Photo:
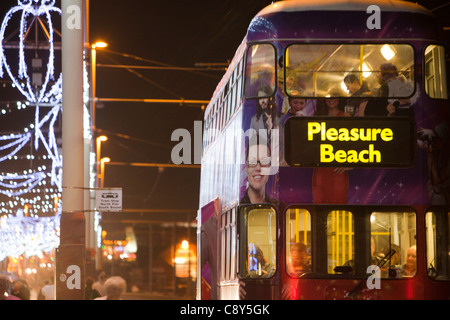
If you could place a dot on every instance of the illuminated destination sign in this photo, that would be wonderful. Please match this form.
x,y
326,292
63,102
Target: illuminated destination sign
x,y
350,142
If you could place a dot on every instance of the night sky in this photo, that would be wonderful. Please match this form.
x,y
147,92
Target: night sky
x,y
176,33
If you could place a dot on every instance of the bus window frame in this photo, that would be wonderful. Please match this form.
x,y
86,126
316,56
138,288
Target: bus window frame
x,y
441,210
242,239
362,238
446,51
245,68
413,83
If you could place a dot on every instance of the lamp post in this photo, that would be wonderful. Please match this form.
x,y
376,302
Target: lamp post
x,y
99,140
98,44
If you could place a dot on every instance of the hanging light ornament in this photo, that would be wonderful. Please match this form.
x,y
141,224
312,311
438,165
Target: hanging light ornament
x,y
20,234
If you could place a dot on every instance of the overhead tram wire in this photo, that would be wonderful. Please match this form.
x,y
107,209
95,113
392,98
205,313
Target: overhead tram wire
x,y
160,172
161,66
180,99
172,67
148,80
122,66
125,136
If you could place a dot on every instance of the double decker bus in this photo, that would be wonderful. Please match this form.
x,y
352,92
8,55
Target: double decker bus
x,y
325,167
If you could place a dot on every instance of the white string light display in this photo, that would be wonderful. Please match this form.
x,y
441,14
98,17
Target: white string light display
x,y
34,192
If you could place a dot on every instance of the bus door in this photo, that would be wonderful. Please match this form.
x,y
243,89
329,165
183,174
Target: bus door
x,y
258,261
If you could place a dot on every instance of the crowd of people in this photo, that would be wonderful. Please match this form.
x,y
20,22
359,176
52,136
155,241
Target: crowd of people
x,y
105,288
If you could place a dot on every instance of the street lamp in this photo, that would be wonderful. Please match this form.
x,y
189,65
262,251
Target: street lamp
x,y
99,141
102,170
100,45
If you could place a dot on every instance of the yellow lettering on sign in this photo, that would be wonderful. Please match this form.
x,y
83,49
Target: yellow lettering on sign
x,y
387,134
313,128
328,155
345,134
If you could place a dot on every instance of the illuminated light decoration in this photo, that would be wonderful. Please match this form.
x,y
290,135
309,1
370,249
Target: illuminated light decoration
x,y
35,8
28,182
36,235
31,235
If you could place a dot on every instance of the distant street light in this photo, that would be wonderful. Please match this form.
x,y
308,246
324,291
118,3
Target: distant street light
x,y
102,170
100,45
99,141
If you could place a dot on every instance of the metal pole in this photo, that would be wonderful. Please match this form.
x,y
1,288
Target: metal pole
x,y
174,250
72,106
150,258
189,279
70,264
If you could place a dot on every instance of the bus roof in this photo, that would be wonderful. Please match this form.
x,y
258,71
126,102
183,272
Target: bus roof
x,y
344,19
342,5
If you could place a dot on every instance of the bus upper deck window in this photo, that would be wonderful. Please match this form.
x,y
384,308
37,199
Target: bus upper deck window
x,y
435,72
366,70
261,243
260,71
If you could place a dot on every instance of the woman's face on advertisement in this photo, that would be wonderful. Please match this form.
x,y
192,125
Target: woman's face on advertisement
x,y
257,154
264,102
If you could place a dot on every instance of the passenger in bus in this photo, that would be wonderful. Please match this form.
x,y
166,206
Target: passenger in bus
x,y
363,106
330,185
300,261
258,161
375,256
389,261
355,87
409,268
394,84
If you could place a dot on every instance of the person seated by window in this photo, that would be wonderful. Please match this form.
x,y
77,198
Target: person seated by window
x,y
393,84
300,260
366,107
397,84
391,265
355,87
409,268
375,256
